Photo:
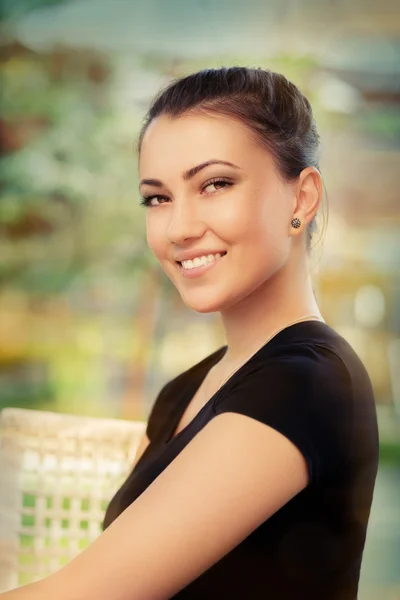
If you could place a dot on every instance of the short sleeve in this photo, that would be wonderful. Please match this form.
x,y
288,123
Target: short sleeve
x,y
305,395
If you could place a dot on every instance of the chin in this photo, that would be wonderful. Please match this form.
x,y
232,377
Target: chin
x,y
201,301
206,301
203,307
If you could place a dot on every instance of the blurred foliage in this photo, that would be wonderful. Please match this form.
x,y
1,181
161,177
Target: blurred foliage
x,y
67,165
389,452
20,386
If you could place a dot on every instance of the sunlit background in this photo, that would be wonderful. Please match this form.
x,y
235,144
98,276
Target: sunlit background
x,y
89,323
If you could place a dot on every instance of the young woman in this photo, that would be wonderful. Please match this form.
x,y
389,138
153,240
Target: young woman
x,y
256,474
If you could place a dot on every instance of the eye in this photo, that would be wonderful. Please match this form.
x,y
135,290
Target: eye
x,y
147,200
217,182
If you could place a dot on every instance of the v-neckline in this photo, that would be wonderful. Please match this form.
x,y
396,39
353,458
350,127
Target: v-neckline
x,y
190,391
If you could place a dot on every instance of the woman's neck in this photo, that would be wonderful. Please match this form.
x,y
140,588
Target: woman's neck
x,y
250,322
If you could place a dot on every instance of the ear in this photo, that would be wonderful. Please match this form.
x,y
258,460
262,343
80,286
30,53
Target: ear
x,y
307,196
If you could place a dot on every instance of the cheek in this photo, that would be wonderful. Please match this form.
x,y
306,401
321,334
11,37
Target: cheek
x,y
260,238
247,226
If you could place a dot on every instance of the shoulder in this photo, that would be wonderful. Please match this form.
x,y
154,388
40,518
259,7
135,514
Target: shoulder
x,y
301,367
311,355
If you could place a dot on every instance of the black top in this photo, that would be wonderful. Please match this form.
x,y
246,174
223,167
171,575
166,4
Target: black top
x,y
308,383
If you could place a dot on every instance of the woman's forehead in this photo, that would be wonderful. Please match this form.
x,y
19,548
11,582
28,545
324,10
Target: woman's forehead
x,y
199,137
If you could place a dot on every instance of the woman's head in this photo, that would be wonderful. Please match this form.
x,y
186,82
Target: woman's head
x,y
257,121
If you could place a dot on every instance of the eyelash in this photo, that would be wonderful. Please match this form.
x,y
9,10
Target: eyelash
x,y
145,200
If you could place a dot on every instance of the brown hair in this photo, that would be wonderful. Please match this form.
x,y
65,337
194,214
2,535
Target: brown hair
x,y
275,110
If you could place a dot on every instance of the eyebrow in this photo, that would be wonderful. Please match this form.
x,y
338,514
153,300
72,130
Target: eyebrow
x,y
190,173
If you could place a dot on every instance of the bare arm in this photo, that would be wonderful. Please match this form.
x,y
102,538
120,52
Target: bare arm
x,y
33,591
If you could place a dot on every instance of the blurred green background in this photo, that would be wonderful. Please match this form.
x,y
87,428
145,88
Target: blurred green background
x,y
89,324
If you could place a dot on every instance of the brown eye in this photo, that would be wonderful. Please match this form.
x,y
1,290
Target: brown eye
x,y
217,183
147,200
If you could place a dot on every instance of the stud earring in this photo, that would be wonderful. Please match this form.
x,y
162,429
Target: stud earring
x,y
296,223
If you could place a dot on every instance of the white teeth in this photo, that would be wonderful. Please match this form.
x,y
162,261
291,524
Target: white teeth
x,y
200,260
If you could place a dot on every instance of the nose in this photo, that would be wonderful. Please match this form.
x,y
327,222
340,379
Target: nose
x,y
184,223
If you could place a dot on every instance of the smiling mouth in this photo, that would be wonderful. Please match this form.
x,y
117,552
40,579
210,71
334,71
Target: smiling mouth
x,y
203,264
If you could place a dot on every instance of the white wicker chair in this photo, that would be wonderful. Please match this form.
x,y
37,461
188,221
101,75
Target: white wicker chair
x,y
57,474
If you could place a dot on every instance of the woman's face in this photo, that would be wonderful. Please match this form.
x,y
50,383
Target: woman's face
x,y
243,210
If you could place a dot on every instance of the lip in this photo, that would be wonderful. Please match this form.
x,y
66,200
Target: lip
x,y
197,271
